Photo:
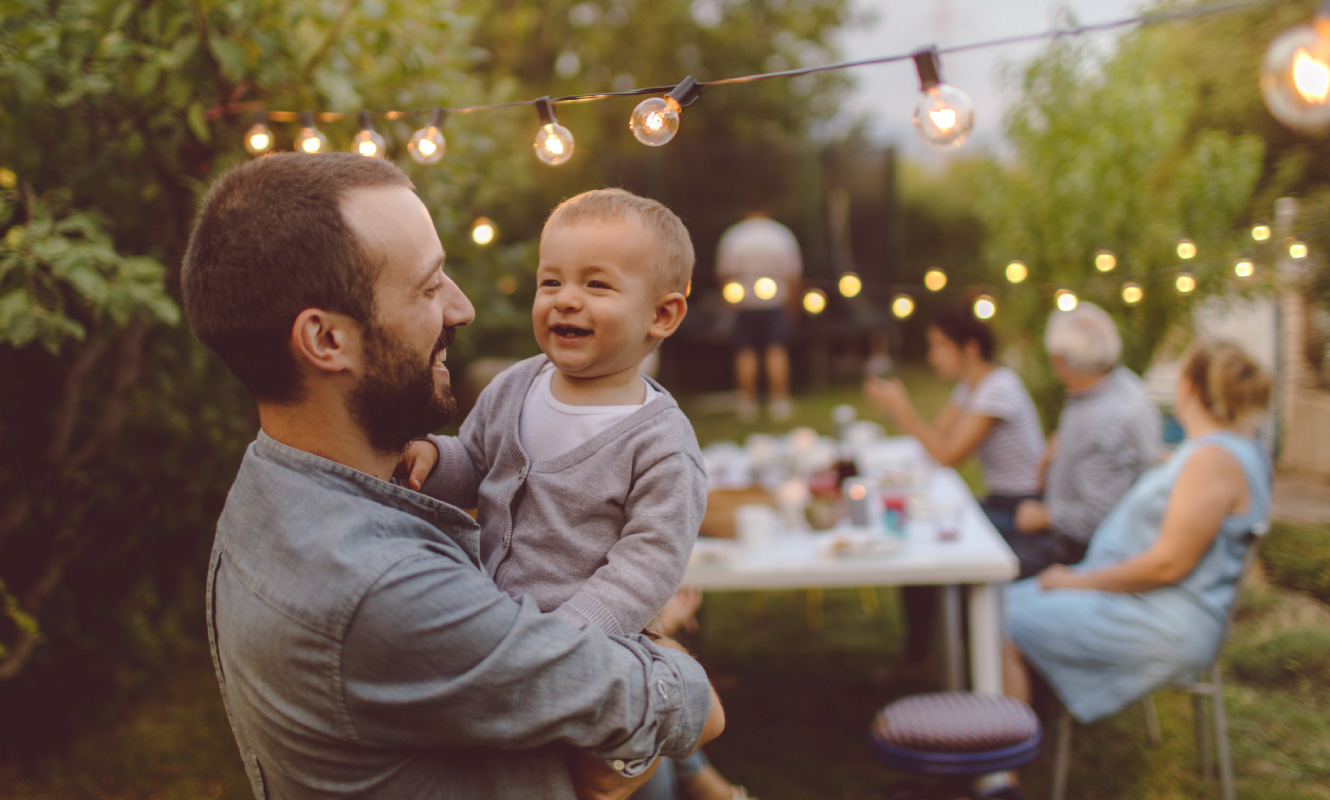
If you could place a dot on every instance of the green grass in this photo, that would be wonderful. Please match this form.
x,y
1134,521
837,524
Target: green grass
x,y
801,674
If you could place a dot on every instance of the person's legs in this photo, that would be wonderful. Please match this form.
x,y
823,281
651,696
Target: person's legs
x,y
778,381
745,379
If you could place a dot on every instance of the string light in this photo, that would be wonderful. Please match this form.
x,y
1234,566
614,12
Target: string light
x,y
1295,75
1186,249
1260,232
1132,293
1185,283
1017,272
815,301
483,231
656,119
985,307
1244,269
554,143
1104,261
935,279
259,139
368,142
902,306
765,288
944,115
733,292
427,144
311,139
1297,250
850,285
1065,299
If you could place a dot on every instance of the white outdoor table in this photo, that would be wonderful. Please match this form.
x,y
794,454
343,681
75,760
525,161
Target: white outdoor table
x,y
978,559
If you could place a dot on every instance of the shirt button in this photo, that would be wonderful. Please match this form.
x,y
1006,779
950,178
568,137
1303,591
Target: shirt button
x,y
619,765
664,692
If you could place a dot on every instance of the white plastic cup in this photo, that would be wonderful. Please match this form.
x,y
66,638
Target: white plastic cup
x,y
755,525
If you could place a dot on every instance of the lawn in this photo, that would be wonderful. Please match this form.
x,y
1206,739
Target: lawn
x,y
802,673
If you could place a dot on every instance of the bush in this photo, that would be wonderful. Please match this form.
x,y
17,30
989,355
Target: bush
x,y
1298,558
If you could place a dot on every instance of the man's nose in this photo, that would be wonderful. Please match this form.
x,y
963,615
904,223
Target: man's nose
x,y
457,310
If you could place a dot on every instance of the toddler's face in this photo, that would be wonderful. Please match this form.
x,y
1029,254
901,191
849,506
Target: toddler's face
x,y
595,297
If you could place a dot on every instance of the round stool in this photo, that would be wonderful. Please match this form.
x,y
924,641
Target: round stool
x,y
955,736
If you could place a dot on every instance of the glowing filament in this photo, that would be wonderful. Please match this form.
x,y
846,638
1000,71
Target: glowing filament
x,y
902,306
1311,77
850,285
944,118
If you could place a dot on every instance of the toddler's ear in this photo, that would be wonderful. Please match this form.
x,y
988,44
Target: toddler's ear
x,y
670,311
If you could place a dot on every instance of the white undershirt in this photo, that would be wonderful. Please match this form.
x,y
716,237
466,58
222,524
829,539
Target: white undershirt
x,y
549,428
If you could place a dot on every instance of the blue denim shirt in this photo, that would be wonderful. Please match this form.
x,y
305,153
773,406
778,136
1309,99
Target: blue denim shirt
x,y
362,651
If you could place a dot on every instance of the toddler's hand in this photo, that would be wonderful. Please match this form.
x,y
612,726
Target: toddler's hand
x,y
417,463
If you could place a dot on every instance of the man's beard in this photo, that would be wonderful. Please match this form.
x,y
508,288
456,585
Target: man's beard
x,y
396,403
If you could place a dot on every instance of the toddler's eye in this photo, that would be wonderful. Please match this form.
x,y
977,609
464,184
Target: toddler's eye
x,y
549,282
598,285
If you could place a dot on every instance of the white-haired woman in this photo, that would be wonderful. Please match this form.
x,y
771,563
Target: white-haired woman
x,y
1149,604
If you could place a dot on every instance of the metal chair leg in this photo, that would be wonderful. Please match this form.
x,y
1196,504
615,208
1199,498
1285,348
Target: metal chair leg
x,y
1152,721
1204,748
1062,759
1221,736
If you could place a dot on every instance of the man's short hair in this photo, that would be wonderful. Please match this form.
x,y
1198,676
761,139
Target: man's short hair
x,y
673,268
1085,338
270,241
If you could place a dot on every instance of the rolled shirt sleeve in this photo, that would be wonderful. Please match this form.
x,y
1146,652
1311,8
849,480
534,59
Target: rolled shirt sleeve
x,y
436,656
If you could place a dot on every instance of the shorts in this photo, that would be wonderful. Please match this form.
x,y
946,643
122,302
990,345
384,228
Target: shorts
x,y
760,328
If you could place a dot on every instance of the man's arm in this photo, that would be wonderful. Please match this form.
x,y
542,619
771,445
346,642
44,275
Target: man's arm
x,y
437,656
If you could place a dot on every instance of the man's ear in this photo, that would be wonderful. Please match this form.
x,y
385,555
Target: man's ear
x,y
325,340
670,311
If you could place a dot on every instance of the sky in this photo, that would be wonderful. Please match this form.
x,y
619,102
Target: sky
x,y
886,93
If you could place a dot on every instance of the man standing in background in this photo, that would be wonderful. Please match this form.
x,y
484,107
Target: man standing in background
x,y
761,256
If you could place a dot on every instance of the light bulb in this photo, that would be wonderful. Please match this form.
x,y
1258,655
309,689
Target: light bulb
x,y
554,143
1260,232
850,285
733,292
902,306
483,231
368,142
1132,293
815,301
258,139
427,145
655,120
1297,250
985,307
1185,283
765,288
311,139
935,279
1105,261
1244,269
1065,300
1186,249
944,115
1017,271
1295,76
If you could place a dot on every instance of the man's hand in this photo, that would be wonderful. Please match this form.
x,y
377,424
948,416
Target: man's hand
x,y
1058,576
592,780
417,463
1032,517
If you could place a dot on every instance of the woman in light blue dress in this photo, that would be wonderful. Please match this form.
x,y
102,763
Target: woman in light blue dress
x,y
1148,606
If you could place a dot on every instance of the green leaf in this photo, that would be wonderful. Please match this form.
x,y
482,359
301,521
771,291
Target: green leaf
x,y
88,282
145,80
197,122
230,56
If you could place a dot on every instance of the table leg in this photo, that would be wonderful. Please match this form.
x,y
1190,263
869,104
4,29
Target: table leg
x,y
986,638
953,650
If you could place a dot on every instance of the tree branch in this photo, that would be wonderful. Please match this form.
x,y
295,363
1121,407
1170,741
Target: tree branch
x,y
331,36
129,365
71,398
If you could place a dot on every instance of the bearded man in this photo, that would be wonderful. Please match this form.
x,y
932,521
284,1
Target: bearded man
x,y
360,648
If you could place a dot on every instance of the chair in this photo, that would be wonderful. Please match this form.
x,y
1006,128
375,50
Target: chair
x,y
954,737
1210,723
